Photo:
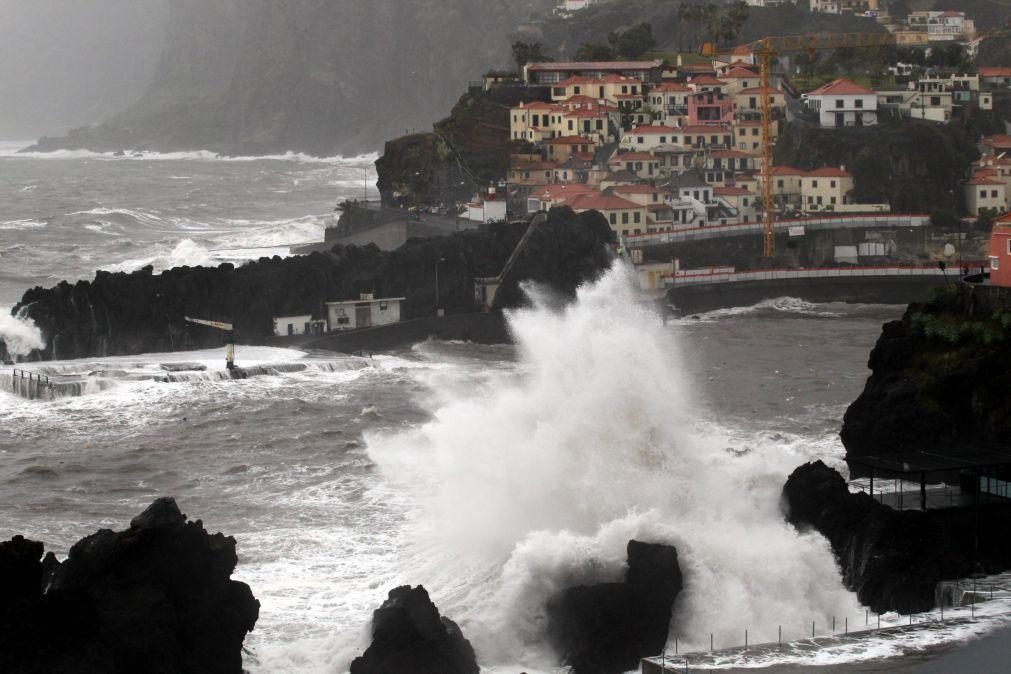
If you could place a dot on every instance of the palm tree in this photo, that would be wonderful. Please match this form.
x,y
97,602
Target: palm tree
x,y
528,52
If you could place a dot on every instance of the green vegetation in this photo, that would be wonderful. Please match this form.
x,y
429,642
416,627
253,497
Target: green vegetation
x,y
528,52
628,44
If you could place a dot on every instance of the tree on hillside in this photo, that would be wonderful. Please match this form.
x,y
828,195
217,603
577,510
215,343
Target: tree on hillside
x,y
594,51
634,42
693,15
528,52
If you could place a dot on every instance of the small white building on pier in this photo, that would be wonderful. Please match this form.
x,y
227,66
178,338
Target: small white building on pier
x,y
365,312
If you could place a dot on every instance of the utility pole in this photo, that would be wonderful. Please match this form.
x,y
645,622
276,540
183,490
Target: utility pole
x,y
437,263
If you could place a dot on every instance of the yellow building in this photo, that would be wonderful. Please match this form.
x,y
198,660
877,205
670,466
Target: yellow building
x,y
825,188
625,217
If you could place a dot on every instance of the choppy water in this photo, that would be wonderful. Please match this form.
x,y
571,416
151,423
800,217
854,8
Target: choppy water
x,y
491,474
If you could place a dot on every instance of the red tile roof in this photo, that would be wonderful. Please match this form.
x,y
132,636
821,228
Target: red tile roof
x,y
786,171
731,192
672,88
757,90
603,203
995,72
840,87
829,172
706,79
700,128
739,73
647,130
998,141
562,191
982,180
637,189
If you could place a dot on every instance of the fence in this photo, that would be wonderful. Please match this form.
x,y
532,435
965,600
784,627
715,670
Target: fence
x,y
42,379
968,592
724,276
681,234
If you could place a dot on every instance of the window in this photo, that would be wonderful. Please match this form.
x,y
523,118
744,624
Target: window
x,y
831,183
814,184
576,91
638,231
637,218
779,184
614,219
600,124
558,91
859,102
663,139
343,320
838,102
624,89
982,194
754,131
994,263
1009,246
935,100
993,193
537,121
832,200
383,306
624,218
570,125
819,201
640,140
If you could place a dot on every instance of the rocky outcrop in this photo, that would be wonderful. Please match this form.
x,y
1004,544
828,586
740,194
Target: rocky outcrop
x,y
939,377
409,636
156,597
606,628
336,77
142,312
894,560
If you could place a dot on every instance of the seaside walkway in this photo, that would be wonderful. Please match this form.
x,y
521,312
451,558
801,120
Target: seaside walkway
x,y
685,233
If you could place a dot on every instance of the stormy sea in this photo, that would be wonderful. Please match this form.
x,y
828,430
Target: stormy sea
x,y
493,475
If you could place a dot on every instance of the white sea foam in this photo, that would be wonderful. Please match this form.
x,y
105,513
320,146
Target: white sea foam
x,y
14,150
782,305
22,224
540,484
20,333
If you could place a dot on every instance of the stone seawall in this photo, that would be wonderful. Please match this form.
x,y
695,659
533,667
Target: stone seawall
x,y
691,299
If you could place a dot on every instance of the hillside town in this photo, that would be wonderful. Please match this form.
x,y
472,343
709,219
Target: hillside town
x,y
656,145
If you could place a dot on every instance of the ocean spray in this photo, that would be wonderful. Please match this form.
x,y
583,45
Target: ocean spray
x,y
538,484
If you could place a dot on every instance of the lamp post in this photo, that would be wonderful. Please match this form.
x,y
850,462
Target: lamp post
x,y
437,263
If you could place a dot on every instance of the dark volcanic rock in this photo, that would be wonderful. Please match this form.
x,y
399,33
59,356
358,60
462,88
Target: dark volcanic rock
x,y
409,636
142,312
606,628
939,378
154,598
894,560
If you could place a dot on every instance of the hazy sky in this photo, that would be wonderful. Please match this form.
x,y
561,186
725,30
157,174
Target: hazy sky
x,y
67,63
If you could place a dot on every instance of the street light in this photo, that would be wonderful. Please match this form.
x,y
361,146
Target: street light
x,y
437,263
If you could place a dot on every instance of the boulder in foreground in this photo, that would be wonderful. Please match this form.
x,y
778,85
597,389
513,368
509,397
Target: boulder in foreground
x,y
607,628
155,598
409,636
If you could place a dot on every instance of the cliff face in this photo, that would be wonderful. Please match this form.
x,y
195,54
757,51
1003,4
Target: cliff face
x,y
939,377
118,314
264,76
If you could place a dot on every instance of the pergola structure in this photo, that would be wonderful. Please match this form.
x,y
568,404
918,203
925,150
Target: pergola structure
x,y
978,463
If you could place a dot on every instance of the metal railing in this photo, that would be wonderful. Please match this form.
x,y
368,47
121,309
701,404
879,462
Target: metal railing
x,y
968,591
680,234
724,276
31,376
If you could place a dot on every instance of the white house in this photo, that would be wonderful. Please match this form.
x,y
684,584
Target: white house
x,y
488,207
365,312
844,103
289,326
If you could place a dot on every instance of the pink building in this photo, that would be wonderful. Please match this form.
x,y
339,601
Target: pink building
x,y
707,108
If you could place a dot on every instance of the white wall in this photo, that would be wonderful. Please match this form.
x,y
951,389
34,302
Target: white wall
x,y
297,324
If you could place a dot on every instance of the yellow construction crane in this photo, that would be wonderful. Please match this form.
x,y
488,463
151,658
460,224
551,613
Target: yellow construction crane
x,y
765,50
229,337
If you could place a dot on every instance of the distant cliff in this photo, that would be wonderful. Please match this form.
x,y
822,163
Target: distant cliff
x,y
939,377
141,312
265,76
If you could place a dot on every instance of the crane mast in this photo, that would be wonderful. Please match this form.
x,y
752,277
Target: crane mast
x,y
229,330
765,50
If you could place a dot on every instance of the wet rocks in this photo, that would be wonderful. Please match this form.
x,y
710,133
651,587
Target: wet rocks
x,y
409,636
156,597
606,628
894,560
